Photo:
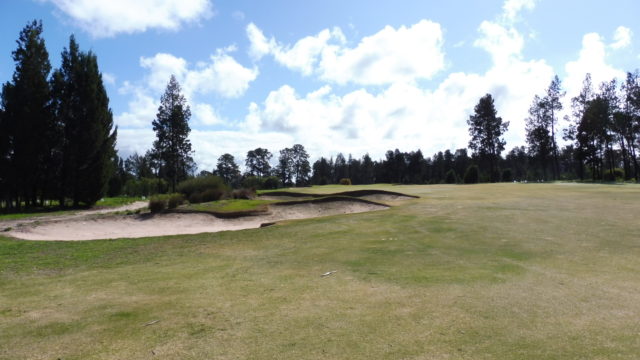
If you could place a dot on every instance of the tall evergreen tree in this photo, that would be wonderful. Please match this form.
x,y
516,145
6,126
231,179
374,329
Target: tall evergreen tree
x,y
81,105
172,148
539,139
553,104
29,127
486,129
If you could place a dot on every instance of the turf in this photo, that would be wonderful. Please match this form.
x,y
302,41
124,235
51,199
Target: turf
x,y
55,210
493,271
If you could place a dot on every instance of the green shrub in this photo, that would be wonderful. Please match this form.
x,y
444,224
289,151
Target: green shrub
x,y
472,175
202,184
212,195
175,200
246,194
345,181
157,203
507,175
272,182
450,177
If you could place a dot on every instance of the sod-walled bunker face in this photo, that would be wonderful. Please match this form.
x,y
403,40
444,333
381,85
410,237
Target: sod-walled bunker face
x,y
181,221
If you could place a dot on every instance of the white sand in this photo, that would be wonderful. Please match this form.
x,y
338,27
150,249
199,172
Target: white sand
x,y
86,227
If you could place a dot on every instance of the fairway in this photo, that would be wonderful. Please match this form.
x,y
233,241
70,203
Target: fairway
x,y
489,271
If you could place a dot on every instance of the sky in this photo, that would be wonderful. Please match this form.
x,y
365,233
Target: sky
x,y
336,76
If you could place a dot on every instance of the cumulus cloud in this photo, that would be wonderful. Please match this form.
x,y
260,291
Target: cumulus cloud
x,y
221,75
388,56
512,8
591,59
621,38
109,18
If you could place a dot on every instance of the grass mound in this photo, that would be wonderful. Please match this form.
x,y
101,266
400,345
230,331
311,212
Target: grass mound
x,y
352,193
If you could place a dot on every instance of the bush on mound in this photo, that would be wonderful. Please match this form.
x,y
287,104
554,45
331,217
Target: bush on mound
x,y
203,189
157,203
345,181
175,200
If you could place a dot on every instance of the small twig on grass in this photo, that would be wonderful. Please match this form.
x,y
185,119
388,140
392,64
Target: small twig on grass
x,y
329,273
151,322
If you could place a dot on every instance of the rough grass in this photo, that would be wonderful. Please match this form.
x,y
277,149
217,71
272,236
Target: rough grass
x,y
492,271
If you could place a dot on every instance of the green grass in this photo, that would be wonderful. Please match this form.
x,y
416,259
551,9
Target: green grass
x,y
491,271
54,211
230,205
117,201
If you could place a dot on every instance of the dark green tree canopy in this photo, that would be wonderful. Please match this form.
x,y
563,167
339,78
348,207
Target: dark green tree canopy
x,y
227,169
257,162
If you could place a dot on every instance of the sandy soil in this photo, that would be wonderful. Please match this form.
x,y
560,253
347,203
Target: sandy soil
x,y
88,227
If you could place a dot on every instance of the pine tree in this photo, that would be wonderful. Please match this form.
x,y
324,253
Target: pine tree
x,y
553,104
228,170
539,140
486,129
28,126
172,148
82,106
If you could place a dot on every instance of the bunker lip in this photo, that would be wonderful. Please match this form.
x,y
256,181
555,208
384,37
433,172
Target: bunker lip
x,y
178,223
367,194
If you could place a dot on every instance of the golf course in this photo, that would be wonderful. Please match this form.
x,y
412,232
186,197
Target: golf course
x,y
485,271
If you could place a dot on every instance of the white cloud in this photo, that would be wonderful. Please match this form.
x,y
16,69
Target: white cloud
x,y
500,42
222,75
109,78
621,37
109,18
512,8
388,56
591,59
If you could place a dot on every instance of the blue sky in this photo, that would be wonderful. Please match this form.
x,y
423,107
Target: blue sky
x,y
353,77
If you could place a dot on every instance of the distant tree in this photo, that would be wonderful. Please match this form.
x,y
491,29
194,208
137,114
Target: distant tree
x,y
450,177
172,148
139,166
539,139
415,167
83,108
518,161
461,161
285,166
367,170
30,132
257,162
300,165
628,123
321,172
340,168
471,175
228,170
486,129
579,105
553,104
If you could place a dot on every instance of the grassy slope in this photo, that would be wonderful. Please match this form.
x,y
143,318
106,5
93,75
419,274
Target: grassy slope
x,y
102,203
538,271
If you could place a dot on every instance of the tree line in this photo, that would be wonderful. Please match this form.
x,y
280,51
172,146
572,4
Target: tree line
x,y
57,140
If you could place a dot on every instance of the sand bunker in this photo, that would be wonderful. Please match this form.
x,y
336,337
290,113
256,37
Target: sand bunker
x,y
92,227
